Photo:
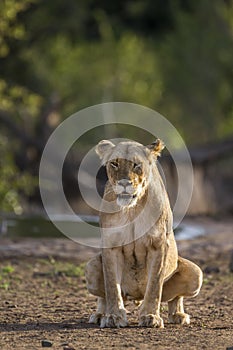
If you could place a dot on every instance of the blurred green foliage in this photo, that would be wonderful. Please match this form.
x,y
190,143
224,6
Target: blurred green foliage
x,y
10,28
197,72
12,182
182,67
173,56
21,103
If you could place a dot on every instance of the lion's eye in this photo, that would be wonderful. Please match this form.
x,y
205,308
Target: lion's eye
x,y
137,167
114,165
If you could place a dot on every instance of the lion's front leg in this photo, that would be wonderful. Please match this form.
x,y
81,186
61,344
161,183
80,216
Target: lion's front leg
x,y
115,315
149,314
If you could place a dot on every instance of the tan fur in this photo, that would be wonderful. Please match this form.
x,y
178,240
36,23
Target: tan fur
x,y
139,259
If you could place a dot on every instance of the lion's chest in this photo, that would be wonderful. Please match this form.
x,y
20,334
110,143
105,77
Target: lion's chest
x,y
134,271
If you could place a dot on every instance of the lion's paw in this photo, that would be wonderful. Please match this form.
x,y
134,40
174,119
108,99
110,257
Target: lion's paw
x,y
95,318
151,320
117,320
179,318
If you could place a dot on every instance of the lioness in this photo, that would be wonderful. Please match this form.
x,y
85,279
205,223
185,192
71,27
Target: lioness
x,y
139,259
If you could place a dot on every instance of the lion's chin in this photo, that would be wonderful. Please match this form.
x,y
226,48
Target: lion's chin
x,y
126,200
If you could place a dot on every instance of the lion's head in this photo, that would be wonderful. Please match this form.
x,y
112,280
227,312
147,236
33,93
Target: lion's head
x,y
128,167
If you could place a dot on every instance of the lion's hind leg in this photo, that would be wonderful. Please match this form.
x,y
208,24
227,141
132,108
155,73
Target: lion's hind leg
x,y
100,311
176,312
186,282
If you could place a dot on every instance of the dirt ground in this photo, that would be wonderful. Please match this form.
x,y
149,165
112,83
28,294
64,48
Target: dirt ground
x,y
44,298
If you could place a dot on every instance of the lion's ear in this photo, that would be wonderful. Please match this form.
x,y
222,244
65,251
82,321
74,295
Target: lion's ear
x,y
103,147
156,147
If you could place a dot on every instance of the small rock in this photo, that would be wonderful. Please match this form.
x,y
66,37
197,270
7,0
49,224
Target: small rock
x,y
46,344
67,346
211,269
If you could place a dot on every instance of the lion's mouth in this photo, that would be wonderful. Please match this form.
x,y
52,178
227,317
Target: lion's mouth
x,y
125,199
126,195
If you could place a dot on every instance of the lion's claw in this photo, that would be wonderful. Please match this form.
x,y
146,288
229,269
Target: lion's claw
x,y
95,318
151,320
117,320
179,318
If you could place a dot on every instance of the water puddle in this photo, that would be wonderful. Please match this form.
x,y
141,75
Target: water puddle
x,y
40,227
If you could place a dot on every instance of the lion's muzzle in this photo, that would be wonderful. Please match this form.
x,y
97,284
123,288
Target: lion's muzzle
x,y
126,193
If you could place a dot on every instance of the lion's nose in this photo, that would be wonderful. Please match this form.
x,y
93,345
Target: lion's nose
x,y
124,182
